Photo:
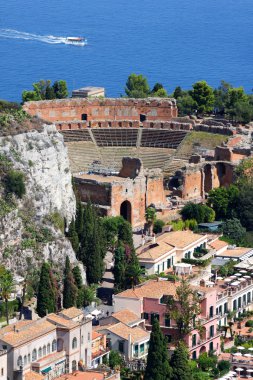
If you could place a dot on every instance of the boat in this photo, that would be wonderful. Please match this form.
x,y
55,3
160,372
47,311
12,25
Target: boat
x,y
78,41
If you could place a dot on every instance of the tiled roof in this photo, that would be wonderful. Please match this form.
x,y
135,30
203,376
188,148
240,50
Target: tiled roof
x,y
151,289
33,376
218,244
96,335
123,331
27,332
181,239
18,325
154,251
126,316
83,376
72,312
61,322
237,252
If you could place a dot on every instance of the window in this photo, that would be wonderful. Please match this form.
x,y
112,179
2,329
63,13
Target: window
x,y
34,355
142,117
136,350
220,309
211,330
211,312
234,305
40,352
29,358
154,316
244,299
84,116
59,344
163,266
121,346
225,307
82,339
25,360
194,355
74,343
211,346
188,255
48,348
239,302
194,340
19,361
54,345
44,350
248,297
145,316
88,337
168,263
167,320
142,348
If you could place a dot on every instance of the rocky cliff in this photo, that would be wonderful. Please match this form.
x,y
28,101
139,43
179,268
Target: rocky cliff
x,y
32,226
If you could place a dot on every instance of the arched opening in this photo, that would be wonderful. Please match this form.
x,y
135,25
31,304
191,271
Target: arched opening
x,y
202,350
221,172
126,211
84,116
73,365
142,117
208,178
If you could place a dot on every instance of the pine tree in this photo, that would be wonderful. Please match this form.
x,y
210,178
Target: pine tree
x,y
158,367
73,236
46,292
69,288
179,362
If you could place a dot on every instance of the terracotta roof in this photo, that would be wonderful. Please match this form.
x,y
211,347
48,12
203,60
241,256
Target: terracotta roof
x,y
13,326
27,332
181,239
126,316
96,335
218,244
150,289
72,312
237,252
61,322
83,376
34,376
154,251
123,331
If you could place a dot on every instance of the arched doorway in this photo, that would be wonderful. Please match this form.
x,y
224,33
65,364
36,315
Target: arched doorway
x,y
207,178
202,350
126,211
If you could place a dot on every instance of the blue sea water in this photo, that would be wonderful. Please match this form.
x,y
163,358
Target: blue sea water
x,y
173,42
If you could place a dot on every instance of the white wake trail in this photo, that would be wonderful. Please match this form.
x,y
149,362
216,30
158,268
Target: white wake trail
x,y
15,34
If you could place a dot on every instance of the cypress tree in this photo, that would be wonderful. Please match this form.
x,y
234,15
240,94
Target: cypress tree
x,y
119,267
93,247
69,287
73,236
79,283
79,222
158,367
179,362
125,233
46,292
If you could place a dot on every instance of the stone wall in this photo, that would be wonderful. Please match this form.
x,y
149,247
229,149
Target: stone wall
x,y
149,109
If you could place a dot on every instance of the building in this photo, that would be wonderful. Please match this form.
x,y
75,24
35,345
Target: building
x,y
99,349
3,364
149,301
131,342
125,316
92,375
89,92
126,194
236,253
53,345
168,249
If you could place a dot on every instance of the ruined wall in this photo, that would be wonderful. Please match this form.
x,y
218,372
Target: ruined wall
x,y
103,109
95,192
155,190
192,184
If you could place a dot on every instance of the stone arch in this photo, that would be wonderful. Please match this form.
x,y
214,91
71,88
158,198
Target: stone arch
x,y
208,183
202,350
221,172
126,211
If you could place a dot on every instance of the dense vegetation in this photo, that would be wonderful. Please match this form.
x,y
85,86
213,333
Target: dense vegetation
x,y
202,99
43,90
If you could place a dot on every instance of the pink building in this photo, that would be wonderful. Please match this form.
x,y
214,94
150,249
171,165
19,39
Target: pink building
x,y
149,301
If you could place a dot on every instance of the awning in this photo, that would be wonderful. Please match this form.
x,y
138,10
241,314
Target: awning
x,y
62,361
46,370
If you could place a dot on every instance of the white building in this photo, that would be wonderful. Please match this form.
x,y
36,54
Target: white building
x,y
53,345
3,364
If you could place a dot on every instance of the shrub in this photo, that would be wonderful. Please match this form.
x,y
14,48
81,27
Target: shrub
x,y
249,323
15,183
158,226
223,366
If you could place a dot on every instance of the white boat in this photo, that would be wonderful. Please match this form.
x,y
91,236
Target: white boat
x,y
78,41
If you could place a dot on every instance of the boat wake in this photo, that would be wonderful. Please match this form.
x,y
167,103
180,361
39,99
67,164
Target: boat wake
x,y
15,34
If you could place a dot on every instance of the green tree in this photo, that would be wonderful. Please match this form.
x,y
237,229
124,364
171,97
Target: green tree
x,y
178,92
46,292
15,183
158,367
203,95
234,96
181,369
224,201
221,97
201,213
6,288
150,216
207,362
73,236
70,290
60,89
77,276
29,96
158,226
233,230
161,93
186,105
245,205
93,248
119,268
133,271
243,112
79,222
115,359
184,308
137,86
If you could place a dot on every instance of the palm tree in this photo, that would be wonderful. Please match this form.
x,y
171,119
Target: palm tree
x,y
150,216
6,288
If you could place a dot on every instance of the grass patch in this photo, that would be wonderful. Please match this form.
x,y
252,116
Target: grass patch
x,y
200,139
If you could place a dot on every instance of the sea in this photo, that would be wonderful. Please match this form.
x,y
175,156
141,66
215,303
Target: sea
x,y
175,43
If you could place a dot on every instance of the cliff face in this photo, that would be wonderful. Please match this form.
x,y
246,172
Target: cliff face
x,y
31,228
